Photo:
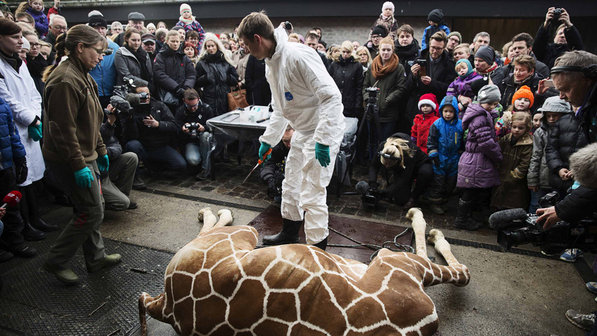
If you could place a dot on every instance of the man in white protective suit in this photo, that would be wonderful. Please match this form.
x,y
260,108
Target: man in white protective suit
x,y
304,95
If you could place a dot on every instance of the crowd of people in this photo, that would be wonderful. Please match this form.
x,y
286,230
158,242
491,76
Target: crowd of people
x,y
103,101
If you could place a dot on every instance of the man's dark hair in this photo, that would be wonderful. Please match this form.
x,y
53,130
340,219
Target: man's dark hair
x,y
526,37
8,27
319,30
190,94
312,36
256,23
192,33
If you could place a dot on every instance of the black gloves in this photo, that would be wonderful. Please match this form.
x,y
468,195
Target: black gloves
x,y
20,169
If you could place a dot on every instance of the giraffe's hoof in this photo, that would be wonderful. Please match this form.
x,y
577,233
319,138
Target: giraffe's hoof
x,y
225,216
202,213
412,212
435,235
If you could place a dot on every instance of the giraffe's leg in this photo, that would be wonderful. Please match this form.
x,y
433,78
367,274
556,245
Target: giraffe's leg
x,y
437,238
225,218
455,273
208,218
418,224
150,305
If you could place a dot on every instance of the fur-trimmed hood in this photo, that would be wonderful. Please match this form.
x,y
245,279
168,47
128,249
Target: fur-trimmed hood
x,y
583,164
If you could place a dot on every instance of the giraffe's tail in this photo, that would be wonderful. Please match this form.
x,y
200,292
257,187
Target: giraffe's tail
x,y
153,306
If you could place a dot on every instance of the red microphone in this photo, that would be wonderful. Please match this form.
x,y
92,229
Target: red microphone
x,y
12,199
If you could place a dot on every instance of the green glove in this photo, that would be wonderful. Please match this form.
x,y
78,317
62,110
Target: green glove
x,y
322,154
35,131
83,177
263,148
103,163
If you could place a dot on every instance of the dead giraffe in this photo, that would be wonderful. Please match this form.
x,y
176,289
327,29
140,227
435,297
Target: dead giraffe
x,y
218,284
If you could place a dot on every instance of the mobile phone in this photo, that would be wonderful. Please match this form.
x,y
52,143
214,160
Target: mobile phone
x,y
548,83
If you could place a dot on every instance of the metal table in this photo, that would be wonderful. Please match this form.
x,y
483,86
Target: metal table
x,y
236,125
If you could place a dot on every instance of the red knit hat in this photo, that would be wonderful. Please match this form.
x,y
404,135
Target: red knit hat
x,y
428,99
524,92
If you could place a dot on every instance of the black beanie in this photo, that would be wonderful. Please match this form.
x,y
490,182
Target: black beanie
x,y
97,21
486,53
436,15
380,30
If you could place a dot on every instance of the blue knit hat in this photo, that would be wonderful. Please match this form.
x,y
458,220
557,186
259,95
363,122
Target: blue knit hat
x,y
468,65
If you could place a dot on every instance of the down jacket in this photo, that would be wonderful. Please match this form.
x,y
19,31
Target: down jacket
x,y
538,175
172,69
10,142
215,76
420,131
446,140
348,75
128,65
513,191
565,137
477,167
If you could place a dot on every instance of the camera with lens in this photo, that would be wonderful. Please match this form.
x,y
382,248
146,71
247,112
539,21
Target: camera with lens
x,y
373,91
288,25
192,127
516,227
556,14
370,196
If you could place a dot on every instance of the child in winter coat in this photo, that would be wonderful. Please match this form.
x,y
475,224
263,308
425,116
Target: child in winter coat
x,y
517,148
420,131
461,86
444,145
522,101
538,175
477,167
36,9
435,18
188,22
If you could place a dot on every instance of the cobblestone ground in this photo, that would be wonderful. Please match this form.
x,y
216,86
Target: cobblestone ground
x,y
230,174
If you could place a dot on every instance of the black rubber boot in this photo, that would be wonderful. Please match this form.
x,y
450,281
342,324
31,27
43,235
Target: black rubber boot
x,y
322,244
32,234
463,216
288,235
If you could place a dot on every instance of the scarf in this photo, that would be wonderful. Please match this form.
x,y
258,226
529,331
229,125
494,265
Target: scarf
x,y
186,21
380,70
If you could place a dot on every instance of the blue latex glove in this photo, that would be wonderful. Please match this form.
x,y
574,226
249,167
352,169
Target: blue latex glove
x,y
103,163
35,132
83,177
322,154
263,148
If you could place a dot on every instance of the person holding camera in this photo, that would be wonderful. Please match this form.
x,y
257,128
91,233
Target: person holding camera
x,y
149,130
566,38
401,164
196,138
272,171
75,152
118,180
432,73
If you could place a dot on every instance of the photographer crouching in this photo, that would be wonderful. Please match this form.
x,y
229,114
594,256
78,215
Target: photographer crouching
x,y
580,202
196,138
400,163
149,130
118,180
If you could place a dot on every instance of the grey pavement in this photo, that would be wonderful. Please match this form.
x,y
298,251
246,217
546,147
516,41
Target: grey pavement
x,y
509,294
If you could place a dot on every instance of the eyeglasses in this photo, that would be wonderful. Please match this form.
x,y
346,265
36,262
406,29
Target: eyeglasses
x,y
102,52
59,27
34,45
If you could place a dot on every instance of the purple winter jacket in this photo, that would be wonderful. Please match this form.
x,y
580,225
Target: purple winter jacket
x,y
477,167
462,86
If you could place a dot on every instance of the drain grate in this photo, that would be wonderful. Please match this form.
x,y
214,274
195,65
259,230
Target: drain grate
x,y
33,302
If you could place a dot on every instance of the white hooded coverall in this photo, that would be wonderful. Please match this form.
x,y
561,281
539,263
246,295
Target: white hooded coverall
x,y
306,96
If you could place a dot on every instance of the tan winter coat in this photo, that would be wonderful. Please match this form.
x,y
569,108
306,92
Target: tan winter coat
x,y
513,191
